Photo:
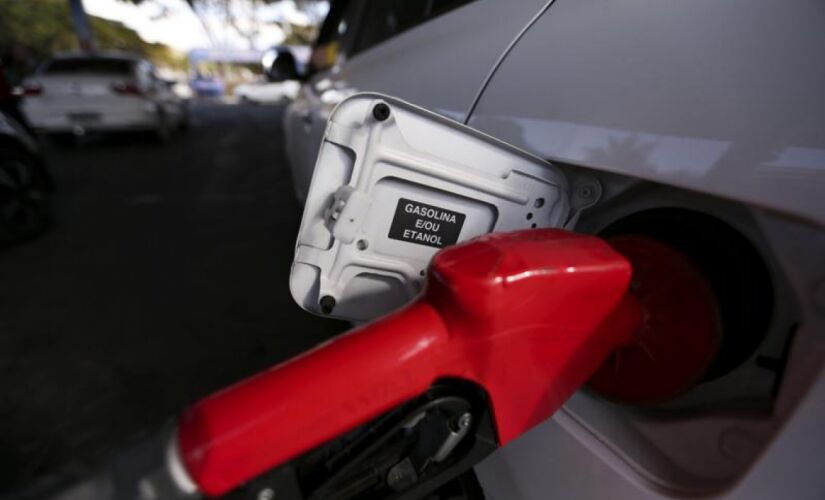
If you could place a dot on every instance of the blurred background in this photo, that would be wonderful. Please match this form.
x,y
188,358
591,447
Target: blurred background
x,y
147,217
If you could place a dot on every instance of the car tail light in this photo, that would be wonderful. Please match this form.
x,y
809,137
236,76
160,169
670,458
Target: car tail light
x,y
127,88
32,89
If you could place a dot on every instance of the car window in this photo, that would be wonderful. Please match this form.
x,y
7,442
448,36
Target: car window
x,y
93,65
384,19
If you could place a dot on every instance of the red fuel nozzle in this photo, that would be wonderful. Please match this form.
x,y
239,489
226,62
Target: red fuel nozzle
x,y
529,316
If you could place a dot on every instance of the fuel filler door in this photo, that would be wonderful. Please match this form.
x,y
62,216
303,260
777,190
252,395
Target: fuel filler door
x,y
393,184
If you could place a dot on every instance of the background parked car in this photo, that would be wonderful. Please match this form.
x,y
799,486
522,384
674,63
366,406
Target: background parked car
x,y
207,86
267,92
25,185
106,93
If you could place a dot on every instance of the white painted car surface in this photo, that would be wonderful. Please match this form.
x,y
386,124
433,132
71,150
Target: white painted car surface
x,y
709,108
181,89
438,65
105,92
267,92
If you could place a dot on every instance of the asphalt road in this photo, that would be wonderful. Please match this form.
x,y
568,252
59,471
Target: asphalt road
x,y
164,278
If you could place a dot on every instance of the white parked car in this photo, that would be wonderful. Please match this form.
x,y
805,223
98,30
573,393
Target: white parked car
x,y
105,92
697,124
267,92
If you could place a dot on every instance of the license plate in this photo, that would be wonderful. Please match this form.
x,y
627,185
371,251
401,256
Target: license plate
x,y
84,118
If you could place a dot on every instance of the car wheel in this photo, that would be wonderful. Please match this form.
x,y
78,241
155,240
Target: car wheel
x,y
24,197
163,130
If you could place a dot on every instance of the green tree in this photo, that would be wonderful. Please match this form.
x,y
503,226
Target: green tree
x,y
242,17
44,28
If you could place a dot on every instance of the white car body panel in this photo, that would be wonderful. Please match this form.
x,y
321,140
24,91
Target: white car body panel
x,y
721,97
724,98
439,66
712,106
772,455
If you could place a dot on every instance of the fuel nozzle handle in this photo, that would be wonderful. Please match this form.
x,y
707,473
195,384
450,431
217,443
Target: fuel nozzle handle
x,y
528,316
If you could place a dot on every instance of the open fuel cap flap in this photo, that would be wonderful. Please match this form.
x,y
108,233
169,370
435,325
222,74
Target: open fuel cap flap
x,y
392,185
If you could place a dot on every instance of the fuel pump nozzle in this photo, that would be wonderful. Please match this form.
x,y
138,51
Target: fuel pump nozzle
x,y
524,317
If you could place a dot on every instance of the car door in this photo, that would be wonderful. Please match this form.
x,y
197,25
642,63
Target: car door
x,y
435,54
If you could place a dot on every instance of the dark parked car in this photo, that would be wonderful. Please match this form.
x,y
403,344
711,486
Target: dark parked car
x,y
25,184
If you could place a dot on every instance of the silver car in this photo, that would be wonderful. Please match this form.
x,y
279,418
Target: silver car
x,y
698,124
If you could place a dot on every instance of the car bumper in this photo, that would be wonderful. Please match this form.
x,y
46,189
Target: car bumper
x,y
44,119
63,124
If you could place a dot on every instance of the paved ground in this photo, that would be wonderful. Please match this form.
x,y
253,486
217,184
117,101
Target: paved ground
x,y
164,278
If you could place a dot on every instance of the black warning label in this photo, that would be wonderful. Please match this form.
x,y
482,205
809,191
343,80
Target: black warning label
x,y
424,224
